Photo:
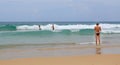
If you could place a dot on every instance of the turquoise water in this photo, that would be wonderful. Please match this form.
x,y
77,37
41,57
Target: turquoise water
x,y
65,32
24,39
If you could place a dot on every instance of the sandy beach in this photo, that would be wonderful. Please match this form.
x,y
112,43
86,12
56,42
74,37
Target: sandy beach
x,y
98,58
109,59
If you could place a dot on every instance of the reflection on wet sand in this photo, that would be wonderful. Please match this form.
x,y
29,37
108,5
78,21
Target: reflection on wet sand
x,y
98,50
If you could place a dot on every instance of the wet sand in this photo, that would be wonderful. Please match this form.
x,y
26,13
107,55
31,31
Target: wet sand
x,y
72,55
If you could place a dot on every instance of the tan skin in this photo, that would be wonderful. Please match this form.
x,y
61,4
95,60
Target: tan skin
x,y
97,33
53,27
39,27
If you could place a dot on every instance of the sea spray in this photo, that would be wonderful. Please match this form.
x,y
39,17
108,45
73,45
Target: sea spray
x,y
106,28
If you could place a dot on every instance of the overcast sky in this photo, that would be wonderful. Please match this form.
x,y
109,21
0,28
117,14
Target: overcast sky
x,y
59,10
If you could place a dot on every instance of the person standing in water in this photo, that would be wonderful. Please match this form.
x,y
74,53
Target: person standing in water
x,y
39,27
53,27
97,30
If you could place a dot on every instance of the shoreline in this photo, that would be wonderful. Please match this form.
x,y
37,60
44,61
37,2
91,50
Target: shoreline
x,y
66,55
71,50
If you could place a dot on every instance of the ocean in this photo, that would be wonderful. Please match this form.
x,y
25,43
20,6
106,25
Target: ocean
x,y
26,35
65,32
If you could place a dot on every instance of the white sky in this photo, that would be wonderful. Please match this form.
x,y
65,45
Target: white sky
x,y
59,10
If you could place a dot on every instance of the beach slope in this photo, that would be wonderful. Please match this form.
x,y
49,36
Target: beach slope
x,y
104,59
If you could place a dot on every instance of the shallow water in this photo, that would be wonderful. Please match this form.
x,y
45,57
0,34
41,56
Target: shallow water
x,y
19,40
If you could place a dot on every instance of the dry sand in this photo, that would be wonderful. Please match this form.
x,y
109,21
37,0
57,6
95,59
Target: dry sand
x,y
104,59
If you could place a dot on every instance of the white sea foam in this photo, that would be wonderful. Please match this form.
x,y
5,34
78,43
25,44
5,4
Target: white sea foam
x,y
58,27
27,27
106,28
86,43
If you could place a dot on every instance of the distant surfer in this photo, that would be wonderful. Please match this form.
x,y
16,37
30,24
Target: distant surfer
x,y
53,27
97,29
39,27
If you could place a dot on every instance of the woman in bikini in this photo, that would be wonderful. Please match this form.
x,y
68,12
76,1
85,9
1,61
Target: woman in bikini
x,y
97,29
